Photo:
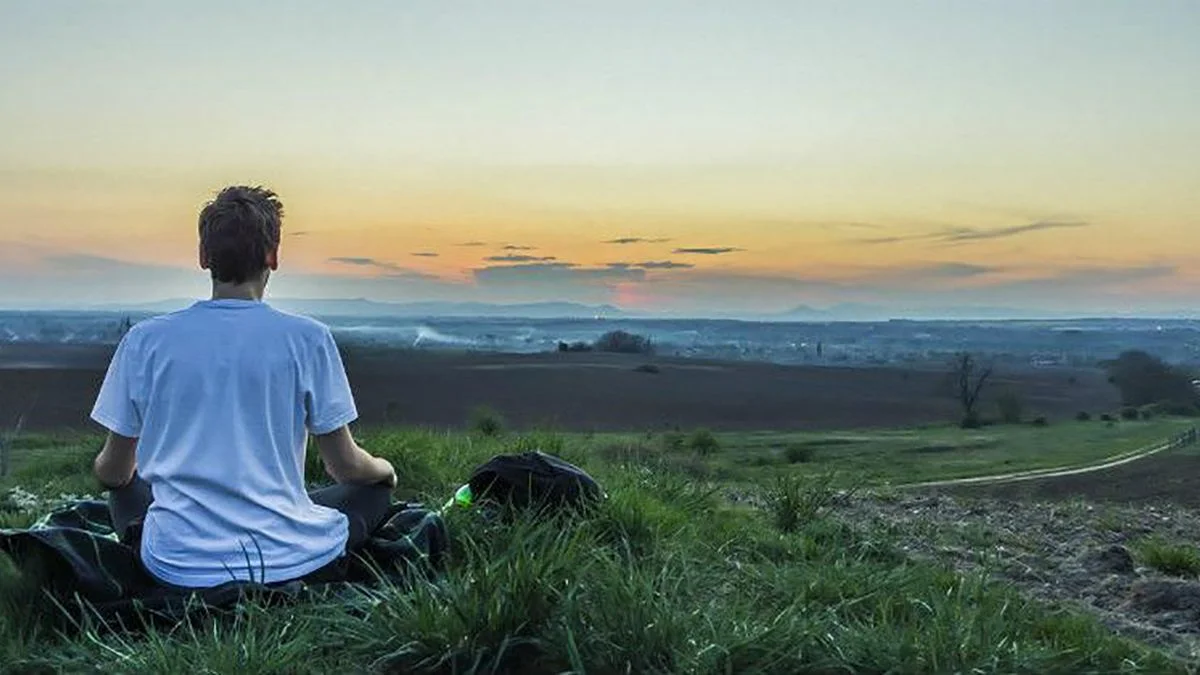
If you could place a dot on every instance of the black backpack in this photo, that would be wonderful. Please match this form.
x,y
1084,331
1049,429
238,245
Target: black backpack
x,y
533,480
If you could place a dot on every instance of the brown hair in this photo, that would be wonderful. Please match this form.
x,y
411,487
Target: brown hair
x,y
238,229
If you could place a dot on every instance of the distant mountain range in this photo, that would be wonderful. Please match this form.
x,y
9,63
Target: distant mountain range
x,y
862,312
346,307
364,307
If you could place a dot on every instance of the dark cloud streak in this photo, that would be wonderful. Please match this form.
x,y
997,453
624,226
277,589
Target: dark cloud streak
x,y
390,269
958,235
520,258
636,240
652,265
707,251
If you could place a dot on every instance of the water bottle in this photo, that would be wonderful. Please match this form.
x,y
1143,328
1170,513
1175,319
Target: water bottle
x,y
462,497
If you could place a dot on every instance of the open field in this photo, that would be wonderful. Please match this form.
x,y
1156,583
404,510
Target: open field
x,y
667,576
1168,479
588,392
747,459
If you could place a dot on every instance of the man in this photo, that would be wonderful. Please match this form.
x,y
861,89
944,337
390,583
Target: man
x,y
209,410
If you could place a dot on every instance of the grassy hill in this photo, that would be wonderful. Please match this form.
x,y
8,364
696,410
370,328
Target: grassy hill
x,y
667,577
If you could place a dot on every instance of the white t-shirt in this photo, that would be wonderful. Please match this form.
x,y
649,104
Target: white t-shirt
x,y
221,397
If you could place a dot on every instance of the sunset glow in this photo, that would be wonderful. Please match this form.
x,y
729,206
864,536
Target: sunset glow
x,y
675,156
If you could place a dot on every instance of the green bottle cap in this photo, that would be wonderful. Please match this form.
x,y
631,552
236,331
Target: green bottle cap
x,y
463,496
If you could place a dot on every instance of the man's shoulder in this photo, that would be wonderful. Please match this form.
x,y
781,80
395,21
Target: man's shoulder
x,y
191,318
299,323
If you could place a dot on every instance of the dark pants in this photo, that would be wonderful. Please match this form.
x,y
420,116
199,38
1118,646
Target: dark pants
x,y
365,507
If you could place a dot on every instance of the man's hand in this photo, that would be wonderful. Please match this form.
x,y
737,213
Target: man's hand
x,y
389,472
115,464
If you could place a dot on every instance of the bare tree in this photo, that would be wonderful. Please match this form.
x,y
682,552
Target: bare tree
x,y
968,377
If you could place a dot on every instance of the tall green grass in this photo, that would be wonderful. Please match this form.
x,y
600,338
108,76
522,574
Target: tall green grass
x,y
664,577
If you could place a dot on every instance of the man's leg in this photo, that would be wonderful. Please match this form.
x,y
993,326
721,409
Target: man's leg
x,y
127,507
364,505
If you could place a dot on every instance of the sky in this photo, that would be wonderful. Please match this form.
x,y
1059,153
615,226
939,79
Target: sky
x,y
702,158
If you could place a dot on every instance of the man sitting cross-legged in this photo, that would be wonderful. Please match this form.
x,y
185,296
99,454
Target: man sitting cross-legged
x,y
209,410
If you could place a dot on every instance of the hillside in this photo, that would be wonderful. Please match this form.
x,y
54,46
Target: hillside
x,y
667,576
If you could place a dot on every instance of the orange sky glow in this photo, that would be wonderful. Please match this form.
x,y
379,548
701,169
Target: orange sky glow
x,y
703,160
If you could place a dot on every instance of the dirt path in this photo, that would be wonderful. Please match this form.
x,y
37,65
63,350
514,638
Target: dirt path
x,y
1184,439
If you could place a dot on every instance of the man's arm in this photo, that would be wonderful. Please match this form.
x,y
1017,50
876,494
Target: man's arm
x,y
115,464
347,463
117,409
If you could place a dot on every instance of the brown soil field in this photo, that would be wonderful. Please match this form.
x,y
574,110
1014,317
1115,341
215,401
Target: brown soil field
x,y
56,385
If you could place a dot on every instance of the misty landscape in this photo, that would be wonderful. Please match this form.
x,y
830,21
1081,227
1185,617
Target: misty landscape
x,y
1017,344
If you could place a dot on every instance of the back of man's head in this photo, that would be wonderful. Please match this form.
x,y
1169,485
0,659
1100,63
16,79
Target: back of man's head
x,y
237,231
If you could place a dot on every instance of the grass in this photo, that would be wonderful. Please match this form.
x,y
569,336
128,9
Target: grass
x,y
1169,558
665,577
915,455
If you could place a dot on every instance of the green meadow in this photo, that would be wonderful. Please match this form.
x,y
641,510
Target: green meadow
x,y
666,576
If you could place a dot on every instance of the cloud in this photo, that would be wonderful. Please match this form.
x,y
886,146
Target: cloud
x,y
954,235
298,233
937,271
636,240
652,265
518,247
426,254
706,251
1002,232
389,269
363,262
473,243
554,272
520,258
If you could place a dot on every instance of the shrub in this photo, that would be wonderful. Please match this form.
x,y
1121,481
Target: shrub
x,y
1107,418
673,441
1130,413
648,368
1144,379
622,342
487,422
798,453
794,501
1010,407
1040,422
1168,558
703,442
689,466
1083,416
574,347
626,453
1176,409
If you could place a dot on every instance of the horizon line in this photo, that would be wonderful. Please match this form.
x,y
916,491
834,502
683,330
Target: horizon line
x,y
882,314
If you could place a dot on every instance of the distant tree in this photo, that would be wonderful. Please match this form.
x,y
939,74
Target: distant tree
x,y
968,378
1144,379
624,343
703,442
